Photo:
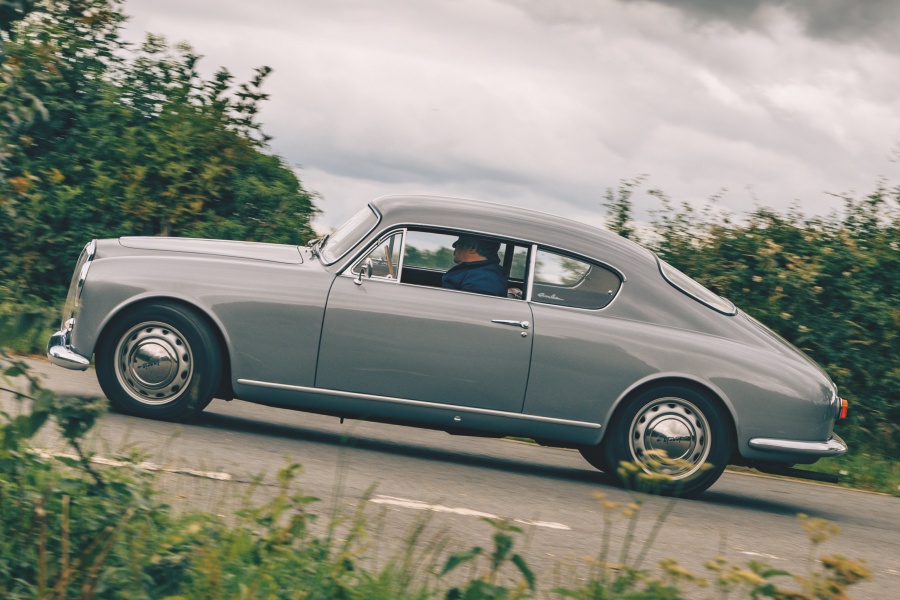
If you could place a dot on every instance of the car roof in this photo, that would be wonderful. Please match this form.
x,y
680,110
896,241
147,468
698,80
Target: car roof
x,y
511,222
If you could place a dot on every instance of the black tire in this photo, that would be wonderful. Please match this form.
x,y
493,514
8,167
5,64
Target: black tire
x,y
159,361
674,430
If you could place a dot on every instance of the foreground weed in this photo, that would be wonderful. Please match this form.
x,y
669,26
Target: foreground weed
x,y
625,578
487,585
66,530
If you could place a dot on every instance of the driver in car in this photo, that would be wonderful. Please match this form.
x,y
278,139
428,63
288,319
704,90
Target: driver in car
x,y
477,267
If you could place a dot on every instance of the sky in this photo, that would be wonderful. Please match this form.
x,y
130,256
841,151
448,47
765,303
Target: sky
x,y
548,104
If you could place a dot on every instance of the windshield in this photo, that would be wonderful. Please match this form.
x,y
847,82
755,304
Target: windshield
x,y
693,289
334,246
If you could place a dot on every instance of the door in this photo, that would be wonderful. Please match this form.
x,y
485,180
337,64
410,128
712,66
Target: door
x,y
387,338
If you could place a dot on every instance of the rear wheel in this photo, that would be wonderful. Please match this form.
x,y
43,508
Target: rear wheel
x,y
160,361
675,432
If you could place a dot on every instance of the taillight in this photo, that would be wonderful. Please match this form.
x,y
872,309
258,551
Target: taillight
x,y
845,408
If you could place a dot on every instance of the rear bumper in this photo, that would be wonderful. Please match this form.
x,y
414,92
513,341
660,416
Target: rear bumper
x,y
61,354
833,447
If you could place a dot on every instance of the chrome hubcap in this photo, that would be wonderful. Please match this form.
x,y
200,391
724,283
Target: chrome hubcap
x,y
154,363
670,436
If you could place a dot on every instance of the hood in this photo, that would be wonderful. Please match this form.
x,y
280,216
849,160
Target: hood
x,y
280,253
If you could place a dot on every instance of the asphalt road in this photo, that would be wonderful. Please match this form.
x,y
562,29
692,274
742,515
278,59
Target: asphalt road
x,y
210,464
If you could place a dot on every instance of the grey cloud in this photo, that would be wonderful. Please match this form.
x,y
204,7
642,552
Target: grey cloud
x,y
846,21
547,104
872,22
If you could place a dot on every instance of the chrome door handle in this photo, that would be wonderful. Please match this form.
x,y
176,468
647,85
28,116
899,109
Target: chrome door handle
x,y
522,324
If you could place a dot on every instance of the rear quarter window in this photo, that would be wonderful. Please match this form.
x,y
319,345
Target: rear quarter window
x,y
567,281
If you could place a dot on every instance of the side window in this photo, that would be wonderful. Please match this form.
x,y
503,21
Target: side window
x,y
384,258
429,255
567,281
429,250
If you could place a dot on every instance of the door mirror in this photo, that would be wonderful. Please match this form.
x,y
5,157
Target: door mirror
x,y
366,268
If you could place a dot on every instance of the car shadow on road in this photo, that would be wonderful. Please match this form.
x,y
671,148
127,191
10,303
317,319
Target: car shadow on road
x,y
723,494
400,448
757,504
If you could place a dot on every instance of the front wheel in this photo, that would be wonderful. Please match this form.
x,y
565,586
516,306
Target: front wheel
x,y
160,361
677,437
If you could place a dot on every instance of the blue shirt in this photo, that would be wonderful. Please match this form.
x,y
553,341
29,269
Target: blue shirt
x,y
480,276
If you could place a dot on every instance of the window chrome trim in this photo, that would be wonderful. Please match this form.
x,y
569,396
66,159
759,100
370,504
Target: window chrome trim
x,y
582,257
532,259
355,244
417,403
348,271
532,262
402,254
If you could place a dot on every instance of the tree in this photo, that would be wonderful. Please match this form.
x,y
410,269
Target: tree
x,y
618,205
102,140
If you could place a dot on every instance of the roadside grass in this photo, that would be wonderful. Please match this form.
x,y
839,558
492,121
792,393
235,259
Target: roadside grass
x,y
71,529
863,468
25,329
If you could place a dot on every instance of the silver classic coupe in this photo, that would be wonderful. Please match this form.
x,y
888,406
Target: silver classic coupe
x,y
597,344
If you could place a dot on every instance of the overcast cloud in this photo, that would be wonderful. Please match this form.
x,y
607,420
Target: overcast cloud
x,y
547,104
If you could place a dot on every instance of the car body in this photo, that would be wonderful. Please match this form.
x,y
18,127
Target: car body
x,y
599,346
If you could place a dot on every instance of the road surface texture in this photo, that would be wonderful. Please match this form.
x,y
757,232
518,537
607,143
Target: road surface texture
x,y
211,463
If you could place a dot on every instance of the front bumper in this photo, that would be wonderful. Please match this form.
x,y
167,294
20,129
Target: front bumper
x,y
61,354
833,447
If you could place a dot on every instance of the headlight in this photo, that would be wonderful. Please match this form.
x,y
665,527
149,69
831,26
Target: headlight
x,y
73,299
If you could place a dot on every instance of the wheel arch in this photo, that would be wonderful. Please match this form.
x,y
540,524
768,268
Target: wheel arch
x,y
659,380
224,389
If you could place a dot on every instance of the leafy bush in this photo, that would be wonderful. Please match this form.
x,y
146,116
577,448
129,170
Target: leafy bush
x,y
99,139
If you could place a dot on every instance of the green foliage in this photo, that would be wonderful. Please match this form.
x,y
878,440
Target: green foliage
x,y
26,328
488,585
101,139
618,205
65,530
871,467
441,259
626,579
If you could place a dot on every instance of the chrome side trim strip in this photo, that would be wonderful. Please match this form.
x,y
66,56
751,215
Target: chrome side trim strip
x,y
833,447
419,403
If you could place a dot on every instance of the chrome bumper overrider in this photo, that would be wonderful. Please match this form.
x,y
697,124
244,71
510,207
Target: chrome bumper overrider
x,y
61,354
833,447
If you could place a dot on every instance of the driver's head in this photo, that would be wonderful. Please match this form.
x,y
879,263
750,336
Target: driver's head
x,y
469,248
